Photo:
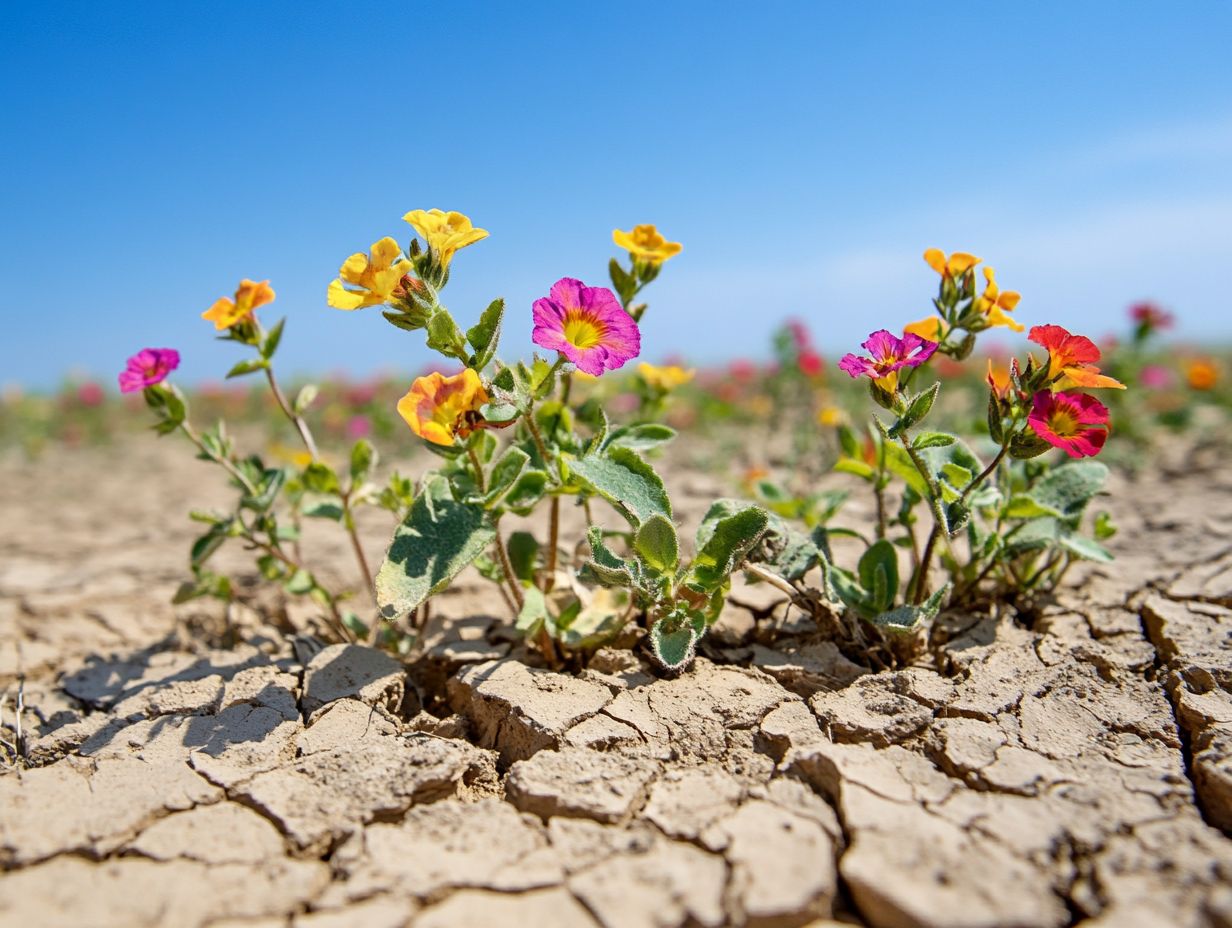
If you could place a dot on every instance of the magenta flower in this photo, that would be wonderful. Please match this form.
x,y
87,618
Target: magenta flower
x,y
587,325
1074,422
889,354
148,367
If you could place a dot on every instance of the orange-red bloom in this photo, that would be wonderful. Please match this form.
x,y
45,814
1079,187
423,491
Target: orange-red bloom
x,y
1071,359
227,312
440,408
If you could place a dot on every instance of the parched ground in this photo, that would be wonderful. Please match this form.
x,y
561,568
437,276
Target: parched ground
x,y
1077,771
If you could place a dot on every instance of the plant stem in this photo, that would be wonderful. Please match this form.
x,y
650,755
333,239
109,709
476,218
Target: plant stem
x,y
770,577
511,578
477,467
983,475
300,425
348,518
535,434
549,579
226,463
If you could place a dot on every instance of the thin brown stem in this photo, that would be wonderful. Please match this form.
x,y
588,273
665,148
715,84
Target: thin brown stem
x,y
549,579
511,578
537,437
298,421
360,557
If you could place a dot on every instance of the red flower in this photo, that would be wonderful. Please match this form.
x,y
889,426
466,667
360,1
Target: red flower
x,y
1150,316
1071,359
1074,422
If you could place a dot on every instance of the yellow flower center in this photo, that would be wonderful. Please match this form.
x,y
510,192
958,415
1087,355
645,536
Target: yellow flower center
x,y
1063,423
583,330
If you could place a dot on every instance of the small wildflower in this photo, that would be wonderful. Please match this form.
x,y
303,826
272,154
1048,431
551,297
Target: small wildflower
x,y
378,275
831,416
666,378
1071,359
90,394
358,426
440,408
994,303
227,312
1201,374
955,265
1150,317
444,232
587,325
889,355
645,243
148,367
1074,422
809,362
1156,377
999,380
932,329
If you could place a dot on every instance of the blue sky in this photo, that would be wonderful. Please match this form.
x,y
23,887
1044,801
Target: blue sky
x,y
804,153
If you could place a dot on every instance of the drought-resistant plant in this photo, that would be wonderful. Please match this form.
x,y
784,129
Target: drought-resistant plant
x,y
522,440
1007,517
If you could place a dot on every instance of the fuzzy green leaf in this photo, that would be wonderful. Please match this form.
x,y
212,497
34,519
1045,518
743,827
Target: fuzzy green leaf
x,y
526,492
363,459
626,481
445,336
1065,491
657,545
304,399
730,540
435,542
505,472
878,571
932,440
272,339
523,550
673,648
485,334
640,437
607,566
247,367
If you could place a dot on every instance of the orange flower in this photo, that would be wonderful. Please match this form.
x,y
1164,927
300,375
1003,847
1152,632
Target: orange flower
x,y
994,304
227,312
1201,374
440,409
1071,359
955,265
932,329
999,379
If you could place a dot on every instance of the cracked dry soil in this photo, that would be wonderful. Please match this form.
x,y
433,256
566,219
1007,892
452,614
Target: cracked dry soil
x,y
1075,768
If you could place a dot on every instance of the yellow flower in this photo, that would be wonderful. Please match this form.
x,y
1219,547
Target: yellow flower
x,y
227,312
444,232
377,277
933,328
995,304
438,408
646,243
955,266
831,416
1201,374
664,379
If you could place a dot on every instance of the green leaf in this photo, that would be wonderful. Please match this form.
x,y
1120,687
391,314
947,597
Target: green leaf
x,y
248,367
729,541
932,440
640,437
855,466
272,338
906,619
319,477
299,583
505,472
534,612
363,459
995,431
498,412
898,462
1104,526
1027,444
1083,547
1065,491
526,492
657,545
849,442
445,336
304,399
608,567
325,509
208,543
916,410
485,334
878,572
523,552
673,645
626,481
435,542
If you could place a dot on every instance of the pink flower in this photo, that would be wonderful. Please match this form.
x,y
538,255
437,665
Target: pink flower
x,y
148,367
587,325
799,333
889,355
90,394
1156,377
1151,317
358,427
1074,422
809,362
